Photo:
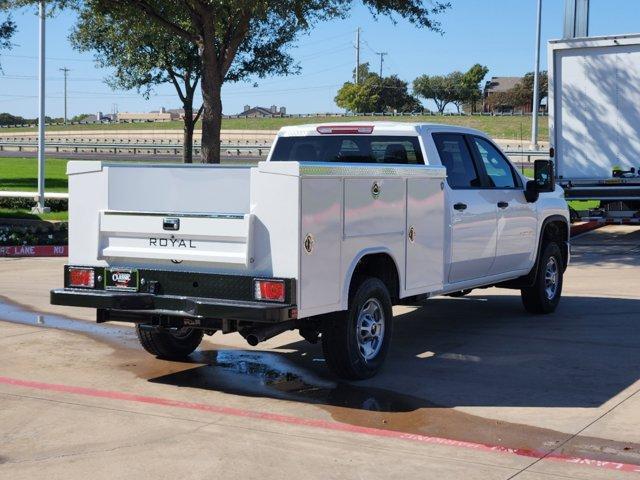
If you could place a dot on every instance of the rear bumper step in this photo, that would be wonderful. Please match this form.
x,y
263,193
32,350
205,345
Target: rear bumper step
x,y
188,307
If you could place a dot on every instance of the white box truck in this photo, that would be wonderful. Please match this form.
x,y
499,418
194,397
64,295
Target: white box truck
x,y
338,225
594,121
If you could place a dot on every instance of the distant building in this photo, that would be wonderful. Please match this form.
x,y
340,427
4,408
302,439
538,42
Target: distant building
x,y
161,115
178,113
501,85
99,117
253,112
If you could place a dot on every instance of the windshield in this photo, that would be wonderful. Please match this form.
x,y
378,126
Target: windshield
x,y
349,149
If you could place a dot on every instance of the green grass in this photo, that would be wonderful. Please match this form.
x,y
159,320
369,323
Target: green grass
x,y
507,127
26,214
584,204
21,174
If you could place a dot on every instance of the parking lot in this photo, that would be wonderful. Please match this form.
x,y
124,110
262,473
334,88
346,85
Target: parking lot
x,y
474,388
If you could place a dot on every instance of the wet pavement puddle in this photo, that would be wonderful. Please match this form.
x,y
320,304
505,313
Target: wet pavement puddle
x,y
275,375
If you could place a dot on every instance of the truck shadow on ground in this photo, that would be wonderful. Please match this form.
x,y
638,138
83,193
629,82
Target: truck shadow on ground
x,y
483,350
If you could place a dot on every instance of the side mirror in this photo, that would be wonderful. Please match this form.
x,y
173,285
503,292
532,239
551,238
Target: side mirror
x,y
544,180
544,175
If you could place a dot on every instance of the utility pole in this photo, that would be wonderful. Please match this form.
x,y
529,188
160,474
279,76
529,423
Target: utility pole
x,y
576,18
65,71
39,207
382,54
536,83
357,55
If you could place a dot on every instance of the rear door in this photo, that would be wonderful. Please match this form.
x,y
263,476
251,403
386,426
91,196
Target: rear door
x,y
517,218
473,215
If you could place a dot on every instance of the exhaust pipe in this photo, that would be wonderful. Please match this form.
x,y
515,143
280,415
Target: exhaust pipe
x,y
254,336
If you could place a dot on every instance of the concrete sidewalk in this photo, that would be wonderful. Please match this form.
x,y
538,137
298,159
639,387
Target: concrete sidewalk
x,y
476,370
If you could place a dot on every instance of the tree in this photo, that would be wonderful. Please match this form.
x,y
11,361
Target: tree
x,y
526,86
456,87
459,92
81,117
375,94
438,88
395,96
358,97
471,82
9,119
7,29
143,56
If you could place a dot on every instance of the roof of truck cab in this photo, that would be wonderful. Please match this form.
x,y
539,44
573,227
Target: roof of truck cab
x,y
379,128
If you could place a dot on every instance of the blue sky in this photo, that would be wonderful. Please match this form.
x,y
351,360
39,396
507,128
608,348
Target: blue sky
x,y
497,33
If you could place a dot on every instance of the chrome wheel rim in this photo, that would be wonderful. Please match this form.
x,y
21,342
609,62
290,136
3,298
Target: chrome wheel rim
x,y
551,278
370,329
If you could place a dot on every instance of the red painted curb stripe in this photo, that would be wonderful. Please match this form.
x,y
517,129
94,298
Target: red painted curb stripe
x,y
585,227
315,423
35,251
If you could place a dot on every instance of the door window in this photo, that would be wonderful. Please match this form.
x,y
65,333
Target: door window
x,y
456,158
497,167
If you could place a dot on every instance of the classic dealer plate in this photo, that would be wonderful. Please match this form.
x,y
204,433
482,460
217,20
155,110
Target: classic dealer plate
x,y
121,279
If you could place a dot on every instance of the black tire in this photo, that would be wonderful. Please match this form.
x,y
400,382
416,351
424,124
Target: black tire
x,y
347,355
172,344
540,298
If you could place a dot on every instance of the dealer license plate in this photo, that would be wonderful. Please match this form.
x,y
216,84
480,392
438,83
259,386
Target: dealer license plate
x,y
121,279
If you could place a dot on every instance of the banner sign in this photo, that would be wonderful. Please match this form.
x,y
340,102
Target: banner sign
x,y
34,251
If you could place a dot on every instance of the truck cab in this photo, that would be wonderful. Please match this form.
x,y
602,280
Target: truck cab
x,y
340,223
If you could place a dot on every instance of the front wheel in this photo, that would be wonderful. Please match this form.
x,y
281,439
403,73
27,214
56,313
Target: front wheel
x,y
544,295
355,342
171,343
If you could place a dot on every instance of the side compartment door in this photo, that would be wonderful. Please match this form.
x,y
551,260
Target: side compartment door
x,y
425,234
472,216
320,242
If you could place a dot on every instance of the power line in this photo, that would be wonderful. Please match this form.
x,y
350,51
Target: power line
x,y
33,57
50,79
324,52
327,39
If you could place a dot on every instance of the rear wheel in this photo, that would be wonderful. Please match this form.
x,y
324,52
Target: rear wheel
x,y
172,343
544,295
355,342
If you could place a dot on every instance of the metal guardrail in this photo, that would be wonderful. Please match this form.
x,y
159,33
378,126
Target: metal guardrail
x,y
115,148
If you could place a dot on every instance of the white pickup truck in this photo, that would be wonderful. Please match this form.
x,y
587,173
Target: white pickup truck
x,y
340,223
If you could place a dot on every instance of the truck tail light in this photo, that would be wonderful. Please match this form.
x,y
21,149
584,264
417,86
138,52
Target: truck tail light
x,y
81,277
345,129
271,290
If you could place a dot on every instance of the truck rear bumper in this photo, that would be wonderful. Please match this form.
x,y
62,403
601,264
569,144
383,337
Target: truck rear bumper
x,y
147,304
